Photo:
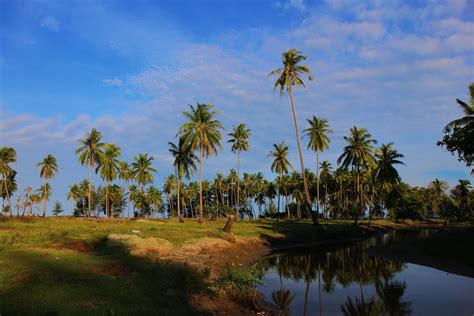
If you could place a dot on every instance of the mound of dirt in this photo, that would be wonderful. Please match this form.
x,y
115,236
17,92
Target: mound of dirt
x,y
139,246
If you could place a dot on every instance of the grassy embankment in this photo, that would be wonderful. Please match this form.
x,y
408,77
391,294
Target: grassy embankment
x,y
62,266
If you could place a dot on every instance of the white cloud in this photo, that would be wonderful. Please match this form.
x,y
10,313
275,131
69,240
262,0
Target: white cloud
x,y
50,23
115,82
289,4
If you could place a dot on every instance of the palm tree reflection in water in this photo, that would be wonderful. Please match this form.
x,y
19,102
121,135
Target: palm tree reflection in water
x,y
345,266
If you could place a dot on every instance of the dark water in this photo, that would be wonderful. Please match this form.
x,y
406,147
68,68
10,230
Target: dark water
x,y
347,281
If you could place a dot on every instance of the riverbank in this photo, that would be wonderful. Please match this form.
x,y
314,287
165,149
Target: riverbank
x,y
446,249
72,265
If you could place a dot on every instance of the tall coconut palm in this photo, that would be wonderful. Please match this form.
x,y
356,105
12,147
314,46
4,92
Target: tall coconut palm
x,y
7,157
49,167
317,132
291,75
89,155
280,163
109,169
184,164
142,171
358,153
202,133
240,142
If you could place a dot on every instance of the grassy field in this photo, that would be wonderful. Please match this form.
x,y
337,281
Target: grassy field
x,y
61,266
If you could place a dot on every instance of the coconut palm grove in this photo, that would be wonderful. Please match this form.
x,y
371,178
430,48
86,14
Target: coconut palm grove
x,y
234,164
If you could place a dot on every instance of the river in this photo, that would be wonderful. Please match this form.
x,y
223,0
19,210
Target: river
x,y
346,280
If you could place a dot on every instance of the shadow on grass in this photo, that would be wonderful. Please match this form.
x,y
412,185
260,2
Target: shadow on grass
x,y
106,281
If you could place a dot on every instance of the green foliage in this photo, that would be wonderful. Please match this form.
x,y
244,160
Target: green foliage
x,y
57,208
240,279
409,205
459,134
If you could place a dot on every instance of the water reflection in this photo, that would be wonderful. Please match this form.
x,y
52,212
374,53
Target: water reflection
x,y
344,280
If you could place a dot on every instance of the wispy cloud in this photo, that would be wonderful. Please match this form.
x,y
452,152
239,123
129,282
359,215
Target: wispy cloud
x,y
115,82
51,23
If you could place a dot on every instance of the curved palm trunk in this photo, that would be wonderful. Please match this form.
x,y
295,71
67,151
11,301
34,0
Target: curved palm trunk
x,y
201,154
238,185
297,130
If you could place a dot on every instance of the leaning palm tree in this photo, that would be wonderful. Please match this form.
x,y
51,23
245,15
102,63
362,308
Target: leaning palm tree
x,y
240,142
90,151
280,163
184,163
317,133
7,156
358,153
49,167
109,169
288,76
202,133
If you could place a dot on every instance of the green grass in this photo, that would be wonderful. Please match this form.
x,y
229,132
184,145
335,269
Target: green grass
x,y
43,270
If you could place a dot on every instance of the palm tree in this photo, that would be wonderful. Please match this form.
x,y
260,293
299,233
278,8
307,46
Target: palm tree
x,y
358,153
468,110
291,75
201,132
44,193
142,171
184,163
460,132
169,188
387,157
280,163
240,142
326,170
7,156
49,167
90,151
74,193
317,133
124,175
108,168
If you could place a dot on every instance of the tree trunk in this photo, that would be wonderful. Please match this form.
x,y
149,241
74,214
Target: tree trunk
x,y
8,195
308,199
238,185
358,198
90,186
201,154
178,204
317,185
228,224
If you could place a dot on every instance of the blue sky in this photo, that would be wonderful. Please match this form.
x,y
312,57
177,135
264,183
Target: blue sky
x,y
130,67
